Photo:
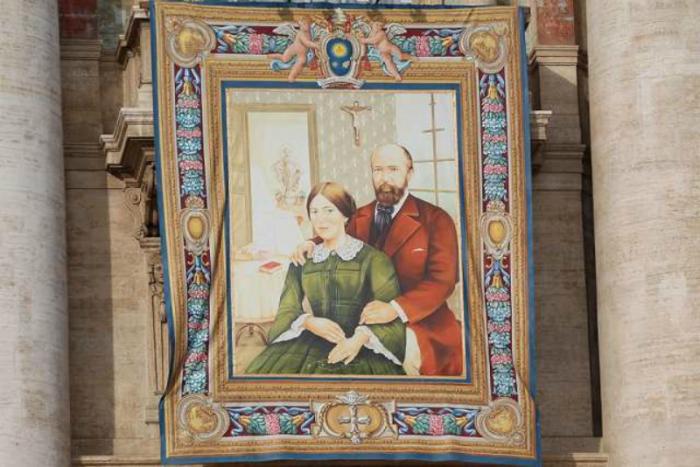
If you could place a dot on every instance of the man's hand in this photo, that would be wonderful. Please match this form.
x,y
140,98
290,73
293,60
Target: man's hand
x,y
347,349
302,252
377,312
325,328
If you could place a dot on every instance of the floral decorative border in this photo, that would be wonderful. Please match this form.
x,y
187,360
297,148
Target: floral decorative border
x,y
193,195
432,421
495,171
269,421
496,199
262,40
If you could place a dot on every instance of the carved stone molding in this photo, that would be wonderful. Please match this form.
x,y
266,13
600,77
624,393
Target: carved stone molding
x,y
539,119
555,55
130,40
81,49
560,168
130,148
157,345
141,201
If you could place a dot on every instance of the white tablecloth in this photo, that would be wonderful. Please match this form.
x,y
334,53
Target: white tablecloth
x,y
256,294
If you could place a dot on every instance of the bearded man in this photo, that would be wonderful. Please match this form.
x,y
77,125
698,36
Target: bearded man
x,y
421,240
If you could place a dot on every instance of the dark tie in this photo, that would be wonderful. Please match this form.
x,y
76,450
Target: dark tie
x,y
383,218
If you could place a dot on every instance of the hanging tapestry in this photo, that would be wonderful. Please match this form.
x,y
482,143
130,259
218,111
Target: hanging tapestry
x,y
345,224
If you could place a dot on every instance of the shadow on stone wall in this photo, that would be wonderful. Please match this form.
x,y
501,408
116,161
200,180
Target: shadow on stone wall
x,y
567,358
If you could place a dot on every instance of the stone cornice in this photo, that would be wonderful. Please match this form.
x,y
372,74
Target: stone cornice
x,y
557,55
82,149
90,461
130,39
81,49
558,167
130,147
587,459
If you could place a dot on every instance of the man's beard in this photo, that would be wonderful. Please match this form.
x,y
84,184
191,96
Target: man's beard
x,y
389,194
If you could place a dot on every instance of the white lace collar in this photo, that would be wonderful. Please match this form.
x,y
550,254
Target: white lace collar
x,y
347,251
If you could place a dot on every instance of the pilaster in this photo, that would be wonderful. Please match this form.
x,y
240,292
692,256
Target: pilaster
x,y
563,351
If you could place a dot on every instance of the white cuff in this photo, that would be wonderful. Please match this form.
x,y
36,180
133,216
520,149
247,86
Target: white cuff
x,y
375,345
294,330
399,311
413,360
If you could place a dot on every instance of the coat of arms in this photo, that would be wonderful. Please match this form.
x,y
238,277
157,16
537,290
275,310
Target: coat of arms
x,y
342,45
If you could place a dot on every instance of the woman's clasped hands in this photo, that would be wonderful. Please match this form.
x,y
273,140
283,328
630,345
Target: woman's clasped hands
x,y
346,348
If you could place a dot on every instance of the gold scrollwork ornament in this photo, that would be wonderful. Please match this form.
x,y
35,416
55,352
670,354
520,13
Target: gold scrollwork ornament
x,y
188,41
496,230
200,419
502,421
195,227
485,45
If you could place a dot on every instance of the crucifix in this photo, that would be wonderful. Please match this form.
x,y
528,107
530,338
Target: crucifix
x,y
355,421
354,111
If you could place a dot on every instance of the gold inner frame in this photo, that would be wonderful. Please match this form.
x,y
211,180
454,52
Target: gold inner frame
x,y
255,389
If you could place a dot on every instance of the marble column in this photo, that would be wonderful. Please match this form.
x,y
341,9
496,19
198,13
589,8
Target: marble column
x,y
34,397
644,75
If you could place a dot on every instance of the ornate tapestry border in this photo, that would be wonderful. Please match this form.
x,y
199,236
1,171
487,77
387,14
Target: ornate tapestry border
x,y
205,429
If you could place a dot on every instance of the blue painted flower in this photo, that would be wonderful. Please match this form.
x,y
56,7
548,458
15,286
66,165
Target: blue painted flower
x,y
498,311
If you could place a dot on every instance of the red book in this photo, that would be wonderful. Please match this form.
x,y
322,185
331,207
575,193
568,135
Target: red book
x,y
270,267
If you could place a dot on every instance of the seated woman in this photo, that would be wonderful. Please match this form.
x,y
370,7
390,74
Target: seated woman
x,y
343,275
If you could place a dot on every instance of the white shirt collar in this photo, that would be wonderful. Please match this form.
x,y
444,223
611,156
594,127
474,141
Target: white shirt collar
x,y
347,251
397,206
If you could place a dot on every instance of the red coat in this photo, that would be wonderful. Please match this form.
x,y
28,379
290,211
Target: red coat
x,y
422,244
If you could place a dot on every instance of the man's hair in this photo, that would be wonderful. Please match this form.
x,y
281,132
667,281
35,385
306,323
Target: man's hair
x,y
405,151
336,194
408,155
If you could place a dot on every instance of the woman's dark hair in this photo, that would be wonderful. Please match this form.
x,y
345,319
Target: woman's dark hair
x,y
336,194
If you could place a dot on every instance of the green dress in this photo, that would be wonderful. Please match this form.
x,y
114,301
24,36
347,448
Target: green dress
x,y
337,285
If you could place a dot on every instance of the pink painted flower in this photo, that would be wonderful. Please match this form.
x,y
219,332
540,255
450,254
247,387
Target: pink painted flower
x,y
495,169
255,44
500,359
197,326
199,293
272,424
184,133
423,46
495,327
196,357
436,425
493,107
497,296
191,165
497,138
188,103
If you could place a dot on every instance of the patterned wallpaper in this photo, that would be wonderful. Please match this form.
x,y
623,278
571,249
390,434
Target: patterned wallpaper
x,y
339,159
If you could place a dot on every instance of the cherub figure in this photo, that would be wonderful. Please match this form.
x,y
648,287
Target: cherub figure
x,y
297,54
381,41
